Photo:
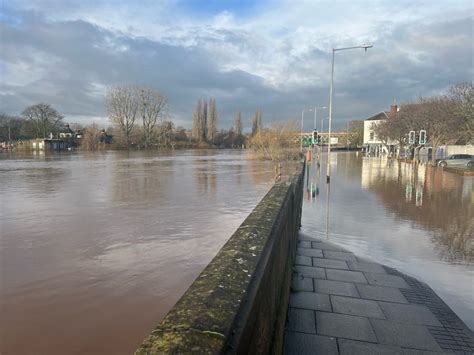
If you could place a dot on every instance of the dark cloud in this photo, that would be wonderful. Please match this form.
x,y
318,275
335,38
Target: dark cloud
x,y
71,63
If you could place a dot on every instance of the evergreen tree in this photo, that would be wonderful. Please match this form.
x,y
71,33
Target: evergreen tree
x,y
238,124
212,121
256,122
203,123
195,133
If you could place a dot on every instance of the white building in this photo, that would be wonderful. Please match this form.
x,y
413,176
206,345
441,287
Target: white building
x,y
372,143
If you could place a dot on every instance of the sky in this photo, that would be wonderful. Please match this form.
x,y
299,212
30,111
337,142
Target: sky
x,y
273,55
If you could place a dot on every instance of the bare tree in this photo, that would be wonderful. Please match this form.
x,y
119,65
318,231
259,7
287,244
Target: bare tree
x,y
151,104
257,122
438,116
276,143
196,131
463,95
355,133
238,123
122,107
166,137
397,126
91,139
45,117
212,121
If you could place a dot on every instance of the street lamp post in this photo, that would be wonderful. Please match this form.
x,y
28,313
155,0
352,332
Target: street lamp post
x,y
322,126
316,113
334,50
302,123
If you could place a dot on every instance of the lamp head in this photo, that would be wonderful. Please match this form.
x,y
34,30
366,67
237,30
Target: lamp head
x,y
366,46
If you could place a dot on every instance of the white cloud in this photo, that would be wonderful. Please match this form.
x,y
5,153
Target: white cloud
x,y
277,58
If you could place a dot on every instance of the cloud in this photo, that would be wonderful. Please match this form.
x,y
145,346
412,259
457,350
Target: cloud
x,y
272,55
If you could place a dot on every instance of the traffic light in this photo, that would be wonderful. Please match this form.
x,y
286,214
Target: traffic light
x,y
422,138
315,136
411,137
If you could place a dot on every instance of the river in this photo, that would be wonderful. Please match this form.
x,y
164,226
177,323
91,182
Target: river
x,y
96,248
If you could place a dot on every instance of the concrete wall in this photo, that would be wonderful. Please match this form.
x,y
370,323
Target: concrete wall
x,y
446,150
238,303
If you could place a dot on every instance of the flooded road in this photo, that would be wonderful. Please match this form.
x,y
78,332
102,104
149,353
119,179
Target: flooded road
x,y
418,220
96,248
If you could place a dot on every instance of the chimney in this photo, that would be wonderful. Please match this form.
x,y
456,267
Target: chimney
x,y
393,109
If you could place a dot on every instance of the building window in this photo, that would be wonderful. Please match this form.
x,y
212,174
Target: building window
x,y
371,136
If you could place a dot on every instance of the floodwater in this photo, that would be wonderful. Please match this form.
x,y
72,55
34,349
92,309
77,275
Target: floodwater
x,y
96,248
419,220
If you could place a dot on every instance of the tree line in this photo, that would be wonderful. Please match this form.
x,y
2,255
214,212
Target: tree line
x,y
447,118
139,120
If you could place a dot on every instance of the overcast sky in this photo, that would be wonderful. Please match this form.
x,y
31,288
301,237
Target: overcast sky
x,y
272,55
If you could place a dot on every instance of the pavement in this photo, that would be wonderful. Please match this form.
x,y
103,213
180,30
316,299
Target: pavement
x,y
343,304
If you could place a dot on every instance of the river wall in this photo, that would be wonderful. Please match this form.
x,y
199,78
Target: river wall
x,y
238,303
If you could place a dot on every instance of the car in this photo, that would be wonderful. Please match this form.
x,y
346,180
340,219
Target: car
x,y
457,160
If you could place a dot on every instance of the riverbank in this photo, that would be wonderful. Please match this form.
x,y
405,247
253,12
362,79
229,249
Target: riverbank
x,y
343,304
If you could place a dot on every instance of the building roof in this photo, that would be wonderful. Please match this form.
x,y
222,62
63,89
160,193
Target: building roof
x,y
378,116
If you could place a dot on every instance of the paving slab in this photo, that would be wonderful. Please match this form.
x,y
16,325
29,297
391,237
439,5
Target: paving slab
x,y
304,244
303,260
380,293
330,263
302,344
325,246
310,300
301,283
344,326
366,266
386,280
301,320
343,275
356,307
353,347
316,272
335,288
317,253
339,255
410,336
409,314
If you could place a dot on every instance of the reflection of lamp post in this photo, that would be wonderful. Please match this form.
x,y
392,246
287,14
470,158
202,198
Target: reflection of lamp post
x,y
334,50
316,114
302,123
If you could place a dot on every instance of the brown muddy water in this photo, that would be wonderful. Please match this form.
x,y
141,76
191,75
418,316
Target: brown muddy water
x,y
96,248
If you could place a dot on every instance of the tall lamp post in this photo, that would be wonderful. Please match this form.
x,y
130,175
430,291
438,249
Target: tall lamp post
x,y
322,121
302,123
316,113
334,50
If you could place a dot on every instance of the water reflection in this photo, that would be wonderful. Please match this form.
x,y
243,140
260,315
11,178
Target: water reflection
x,y
417,219
435,200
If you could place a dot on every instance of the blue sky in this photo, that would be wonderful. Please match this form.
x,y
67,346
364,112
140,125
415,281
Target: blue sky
x,y
272,55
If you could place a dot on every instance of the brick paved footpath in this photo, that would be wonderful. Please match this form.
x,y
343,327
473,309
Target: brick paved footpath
x,y
342,304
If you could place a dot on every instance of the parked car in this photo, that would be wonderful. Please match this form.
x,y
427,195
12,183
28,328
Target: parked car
x,y
457,160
